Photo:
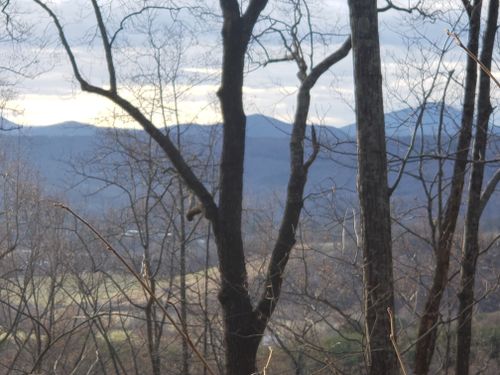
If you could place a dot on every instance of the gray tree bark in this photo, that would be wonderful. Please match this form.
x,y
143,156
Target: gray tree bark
x,y
470,248
372,186
428,327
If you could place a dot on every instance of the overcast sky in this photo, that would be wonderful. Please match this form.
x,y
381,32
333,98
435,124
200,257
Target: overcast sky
x,y
53,96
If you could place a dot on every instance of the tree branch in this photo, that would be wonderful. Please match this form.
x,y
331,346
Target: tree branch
x,y
467,7
64,42
230,8
144,286
416,8
315,149
252,13
327,63
106,45
192,181
473,56
187,174
142,10
489,190
295,187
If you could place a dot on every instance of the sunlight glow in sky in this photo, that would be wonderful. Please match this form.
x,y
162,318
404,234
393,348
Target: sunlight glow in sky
x,y
54,96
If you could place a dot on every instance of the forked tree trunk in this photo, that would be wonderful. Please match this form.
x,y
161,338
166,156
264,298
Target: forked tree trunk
x,y
241,336
243,324
428,327
470,249
372,186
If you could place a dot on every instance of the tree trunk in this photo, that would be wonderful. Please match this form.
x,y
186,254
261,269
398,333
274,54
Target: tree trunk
x,y
182,271
240,335
372,186
153,344
241,352
243,325
428,328
470,249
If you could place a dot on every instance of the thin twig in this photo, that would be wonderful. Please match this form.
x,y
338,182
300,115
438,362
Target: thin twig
x,y
144,285
473,56
268,360
392,336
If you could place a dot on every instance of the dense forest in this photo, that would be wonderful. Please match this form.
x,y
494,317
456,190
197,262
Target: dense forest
x,y
156,243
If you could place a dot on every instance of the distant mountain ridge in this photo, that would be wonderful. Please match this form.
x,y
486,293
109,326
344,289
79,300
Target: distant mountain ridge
x,y
67,128
51,148
258,126
399,123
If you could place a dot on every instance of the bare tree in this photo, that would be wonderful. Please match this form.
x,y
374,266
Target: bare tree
x,y
244,323
372,186
476,201
428,328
